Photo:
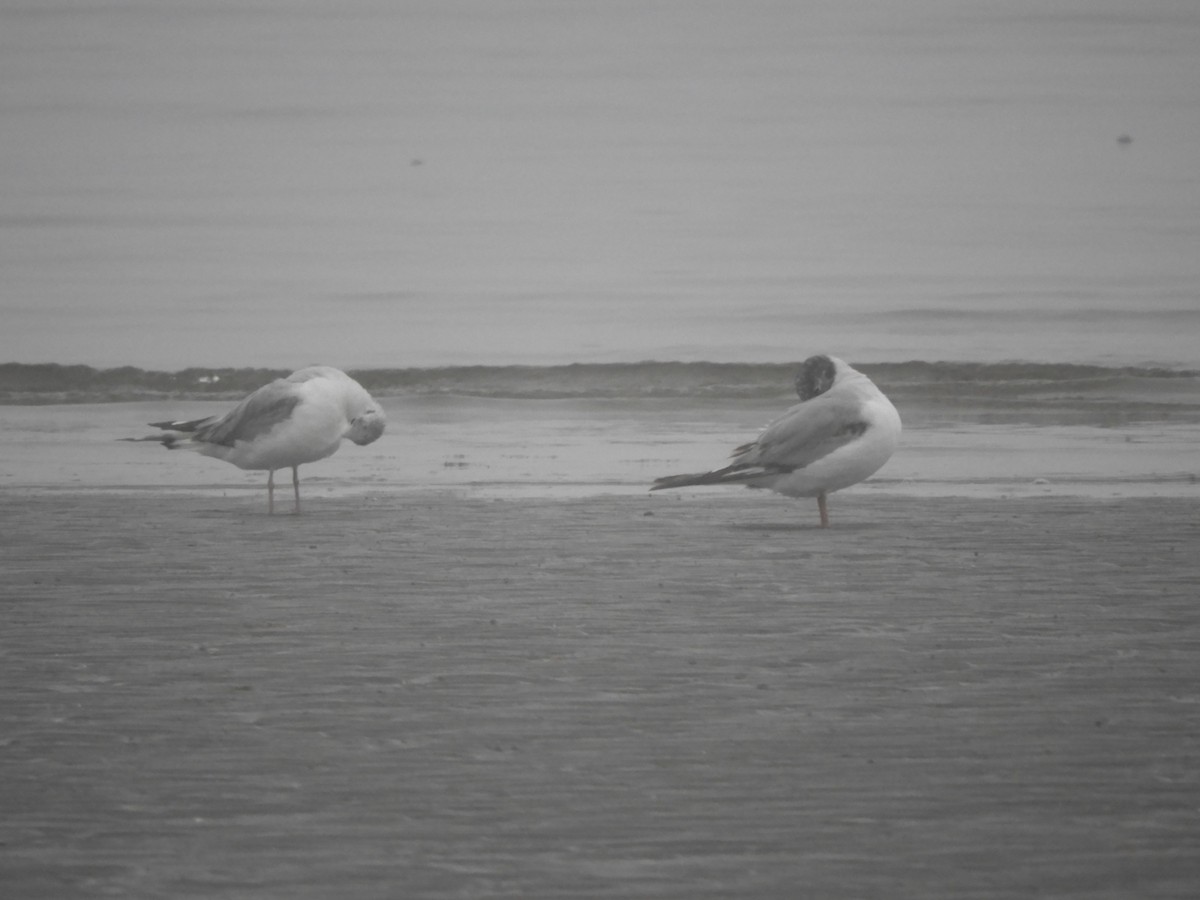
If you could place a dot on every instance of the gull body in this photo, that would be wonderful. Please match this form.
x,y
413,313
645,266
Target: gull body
x,y
840,433
285,424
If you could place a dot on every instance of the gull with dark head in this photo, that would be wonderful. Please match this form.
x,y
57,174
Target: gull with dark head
x,y
284,424
840,433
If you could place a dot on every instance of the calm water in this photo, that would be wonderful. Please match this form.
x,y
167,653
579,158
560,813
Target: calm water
x,y
374,184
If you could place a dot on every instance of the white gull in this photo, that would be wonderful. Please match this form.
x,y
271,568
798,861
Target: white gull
x,y
284,424
840,433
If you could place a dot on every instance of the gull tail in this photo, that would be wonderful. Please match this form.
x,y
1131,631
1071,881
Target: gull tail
x,y
169,439
188,427
172,432
736,474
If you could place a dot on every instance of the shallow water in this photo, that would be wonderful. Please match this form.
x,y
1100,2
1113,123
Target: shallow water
x,y
370,184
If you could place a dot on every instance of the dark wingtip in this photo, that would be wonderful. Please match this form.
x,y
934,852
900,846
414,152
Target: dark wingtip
x,y
180,425
167,440
674,481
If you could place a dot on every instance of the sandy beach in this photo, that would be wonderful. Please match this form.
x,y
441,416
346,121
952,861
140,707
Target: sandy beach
x,y
485,662
436,694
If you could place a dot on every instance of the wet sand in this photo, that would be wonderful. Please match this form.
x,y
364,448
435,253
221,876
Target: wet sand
x,y
544,448
440,694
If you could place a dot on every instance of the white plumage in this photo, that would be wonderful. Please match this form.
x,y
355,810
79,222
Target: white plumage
x,y
284,424
842,431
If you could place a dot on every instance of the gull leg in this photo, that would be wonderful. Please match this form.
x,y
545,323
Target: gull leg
x,y
824,509
271,492
296,487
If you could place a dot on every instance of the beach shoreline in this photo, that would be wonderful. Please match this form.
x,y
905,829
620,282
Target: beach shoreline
x,y
487,661
508,447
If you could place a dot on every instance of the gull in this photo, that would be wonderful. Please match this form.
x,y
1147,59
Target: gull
x,y
284,424
840,433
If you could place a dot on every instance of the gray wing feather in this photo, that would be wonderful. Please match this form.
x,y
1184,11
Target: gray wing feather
x,y
257,414
805,433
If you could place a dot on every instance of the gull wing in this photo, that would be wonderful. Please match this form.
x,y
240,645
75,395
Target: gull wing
x,y
804,434
256,415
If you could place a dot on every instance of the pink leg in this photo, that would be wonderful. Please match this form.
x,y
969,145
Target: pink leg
x,y
824,509
296,487
271,492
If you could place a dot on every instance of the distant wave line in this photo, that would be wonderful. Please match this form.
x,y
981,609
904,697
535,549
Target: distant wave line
x,y
915,381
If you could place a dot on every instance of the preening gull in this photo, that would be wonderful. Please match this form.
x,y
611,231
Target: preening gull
x,y
840,433
284,424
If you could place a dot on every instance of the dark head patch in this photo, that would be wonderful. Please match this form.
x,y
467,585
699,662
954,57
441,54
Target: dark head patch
x,y
815,377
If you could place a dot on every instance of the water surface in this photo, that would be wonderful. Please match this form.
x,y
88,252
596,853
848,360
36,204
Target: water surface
x,y
433,182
